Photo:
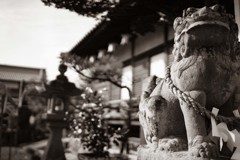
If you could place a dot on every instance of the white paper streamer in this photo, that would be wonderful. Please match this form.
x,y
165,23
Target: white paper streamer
x,y
236,154
232,138
226,135
215,132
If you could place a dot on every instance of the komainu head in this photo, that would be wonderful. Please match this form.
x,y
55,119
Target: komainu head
x,y
207,27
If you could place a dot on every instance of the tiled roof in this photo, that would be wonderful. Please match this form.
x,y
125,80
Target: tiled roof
x,y
15,73
5,75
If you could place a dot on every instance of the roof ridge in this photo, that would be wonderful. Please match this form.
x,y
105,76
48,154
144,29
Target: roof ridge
x,y
19,66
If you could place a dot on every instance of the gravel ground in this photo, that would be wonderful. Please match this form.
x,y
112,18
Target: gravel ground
x,y
25,152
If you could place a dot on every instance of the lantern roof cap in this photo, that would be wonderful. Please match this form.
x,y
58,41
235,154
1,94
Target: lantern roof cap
x,y
61,87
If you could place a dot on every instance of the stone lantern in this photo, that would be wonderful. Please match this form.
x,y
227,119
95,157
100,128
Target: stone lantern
x,y
58,93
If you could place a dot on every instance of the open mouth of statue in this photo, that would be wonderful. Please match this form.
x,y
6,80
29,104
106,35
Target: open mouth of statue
x,y
207,33
216,24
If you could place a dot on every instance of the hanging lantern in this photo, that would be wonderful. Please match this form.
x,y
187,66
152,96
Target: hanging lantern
x,y
91,59
101,53
162,17
112,47
125,39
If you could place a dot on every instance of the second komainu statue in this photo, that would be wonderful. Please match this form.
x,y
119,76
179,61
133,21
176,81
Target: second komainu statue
x,y
176,112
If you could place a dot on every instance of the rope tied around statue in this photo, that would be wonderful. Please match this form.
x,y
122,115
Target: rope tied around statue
x,y
196,106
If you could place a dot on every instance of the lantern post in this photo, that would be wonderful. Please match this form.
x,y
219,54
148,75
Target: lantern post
x,y
58,93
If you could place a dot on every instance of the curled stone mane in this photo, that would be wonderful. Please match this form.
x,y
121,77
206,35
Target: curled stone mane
x,y
214,22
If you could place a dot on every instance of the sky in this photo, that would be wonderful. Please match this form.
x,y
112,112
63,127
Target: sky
x,y
34,35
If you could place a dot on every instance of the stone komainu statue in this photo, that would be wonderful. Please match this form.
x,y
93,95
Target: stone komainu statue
x,y
174,112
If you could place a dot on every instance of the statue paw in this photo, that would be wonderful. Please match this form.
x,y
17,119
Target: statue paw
x,y
172,144
203,147
150,138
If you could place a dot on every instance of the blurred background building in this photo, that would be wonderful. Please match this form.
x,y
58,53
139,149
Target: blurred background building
x,y
14,77
16,112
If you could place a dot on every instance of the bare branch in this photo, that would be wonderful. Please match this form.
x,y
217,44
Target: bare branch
x,y
101,79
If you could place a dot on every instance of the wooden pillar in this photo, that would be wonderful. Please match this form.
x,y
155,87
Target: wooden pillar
x,y
3,105
237,14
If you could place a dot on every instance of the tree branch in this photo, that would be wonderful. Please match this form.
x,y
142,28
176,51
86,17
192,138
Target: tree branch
x,y
101,79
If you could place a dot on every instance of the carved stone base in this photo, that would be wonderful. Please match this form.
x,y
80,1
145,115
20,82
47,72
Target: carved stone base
x,y
148,153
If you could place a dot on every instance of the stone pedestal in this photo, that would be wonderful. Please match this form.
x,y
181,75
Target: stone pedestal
x,y
147,153
55,149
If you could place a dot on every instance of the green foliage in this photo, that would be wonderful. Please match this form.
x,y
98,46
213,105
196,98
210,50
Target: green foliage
x,y
90,8
86,120
73,60
87,123
104,68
